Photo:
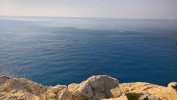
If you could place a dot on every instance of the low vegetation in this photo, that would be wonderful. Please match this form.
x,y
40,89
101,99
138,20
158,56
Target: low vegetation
x,y
133,96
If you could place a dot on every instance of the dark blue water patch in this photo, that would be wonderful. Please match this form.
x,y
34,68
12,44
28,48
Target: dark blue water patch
x,y
63,55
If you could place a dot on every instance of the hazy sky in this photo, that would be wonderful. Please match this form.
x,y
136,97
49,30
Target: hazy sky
x,y
156,9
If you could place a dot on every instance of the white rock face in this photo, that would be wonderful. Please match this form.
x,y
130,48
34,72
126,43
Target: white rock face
x,y
97,87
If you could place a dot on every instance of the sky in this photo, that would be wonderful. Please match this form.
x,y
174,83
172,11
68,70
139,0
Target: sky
x,y
151,9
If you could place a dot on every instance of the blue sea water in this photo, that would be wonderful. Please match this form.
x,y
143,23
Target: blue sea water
x,y
52,50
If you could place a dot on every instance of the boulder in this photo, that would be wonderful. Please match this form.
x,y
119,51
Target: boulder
x,y
20,88
172,86
23,84
96,87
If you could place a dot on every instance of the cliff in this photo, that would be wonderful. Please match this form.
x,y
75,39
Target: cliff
x,y
100,87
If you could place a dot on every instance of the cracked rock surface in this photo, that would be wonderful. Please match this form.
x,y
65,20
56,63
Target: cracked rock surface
x,y
100,87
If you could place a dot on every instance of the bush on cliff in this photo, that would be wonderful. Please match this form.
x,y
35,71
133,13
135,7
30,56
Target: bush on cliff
x,y
133,96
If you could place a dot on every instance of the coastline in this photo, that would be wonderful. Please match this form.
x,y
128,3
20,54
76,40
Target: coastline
x,y
100,87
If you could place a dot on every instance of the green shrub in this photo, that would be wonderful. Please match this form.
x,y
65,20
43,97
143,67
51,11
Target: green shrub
x,y
133,96
56,98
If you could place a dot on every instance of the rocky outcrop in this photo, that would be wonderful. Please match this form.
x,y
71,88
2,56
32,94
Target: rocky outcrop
x,y
101,87
95,87
151,91
20,88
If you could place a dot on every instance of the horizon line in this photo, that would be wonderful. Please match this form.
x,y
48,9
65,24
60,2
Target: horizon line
x,y
90,17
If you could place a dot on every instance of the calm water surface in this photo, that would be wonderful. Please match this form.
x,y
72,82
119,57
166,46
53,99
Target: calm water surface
x,y
64,50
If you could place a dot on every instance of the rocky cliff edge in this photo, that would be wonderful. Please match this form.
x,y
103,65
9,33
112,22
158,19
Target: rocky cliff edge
x,y
101,87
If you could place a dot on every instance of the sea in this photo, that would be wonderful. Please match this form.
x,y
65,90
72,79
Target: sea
x,y
64,50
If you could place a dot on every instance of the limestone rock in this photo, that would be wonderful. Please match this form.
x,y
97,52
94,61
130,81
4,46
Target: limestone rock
x,y
116,92
117,98
56,89
172,86
23,84
52,91
65,95
78,96
20,88
85,89
51,95
96,87
3,79
101,87
155,91
73,86
18,95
